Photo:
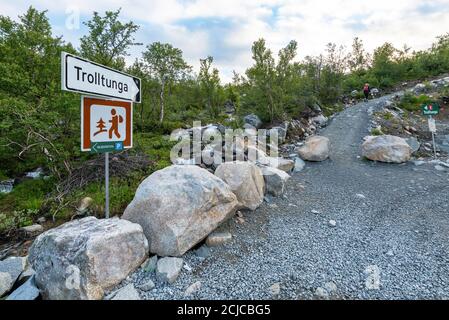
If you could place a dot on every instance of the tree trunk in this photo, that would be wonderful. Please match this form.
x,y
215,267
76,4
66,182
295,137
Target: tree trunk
x,y
161,118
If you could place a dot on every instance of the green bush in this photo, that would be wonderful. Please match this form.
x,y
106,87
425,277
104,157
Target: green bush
x,y
412,103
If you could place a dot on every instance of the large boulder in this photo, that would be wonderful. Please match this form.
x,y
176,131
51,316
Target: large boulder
x,y
179,206
275,180
246,181
315,148
386,148
253,120
83,258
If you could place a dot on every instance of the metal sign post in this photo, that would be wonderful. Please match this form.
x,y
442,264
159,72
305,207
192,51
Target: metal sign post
x,y
432,129
106,179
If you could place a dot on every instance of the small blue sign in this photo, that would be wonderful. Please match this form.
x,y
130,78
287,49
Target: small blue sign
x,y
119,146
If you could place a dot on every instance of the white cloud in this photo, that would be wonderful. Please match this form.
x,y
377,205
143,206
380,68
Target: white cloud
x,y
312,23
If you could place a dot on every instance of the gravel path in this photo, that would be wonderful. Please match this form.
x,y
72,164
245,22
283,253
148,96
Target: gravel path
x,y
390,240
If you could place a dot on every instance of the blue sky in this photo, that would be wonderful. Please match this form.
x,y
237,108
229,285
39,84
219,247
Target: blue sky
x,y
226,29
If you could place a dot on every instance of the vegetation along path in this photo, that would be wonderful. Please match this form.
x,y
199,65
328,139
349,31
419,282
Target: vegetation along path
x,y
390,239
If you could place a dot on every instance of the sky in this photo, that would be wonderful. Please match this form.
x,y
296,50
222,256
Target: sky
x,y
226,29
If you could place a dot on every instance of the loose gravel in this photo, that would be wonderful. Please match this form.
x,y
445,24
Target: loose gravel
x,y
390,240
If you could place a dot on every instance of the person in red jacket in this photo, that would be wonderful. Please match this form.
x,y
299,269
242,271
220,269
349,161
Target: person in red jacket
x,y
366,91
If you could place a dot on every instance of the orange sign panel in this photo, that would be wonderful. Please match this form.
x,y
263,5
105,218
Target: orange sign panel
x,y
105,121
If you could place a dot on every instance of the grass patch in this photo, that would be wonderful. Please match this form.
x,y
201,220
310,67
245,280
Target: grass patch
x,y
413,103
376,132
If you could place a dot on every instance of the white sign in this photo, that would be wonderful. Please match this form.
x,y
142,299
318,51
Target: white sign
x,y
432,125
80,75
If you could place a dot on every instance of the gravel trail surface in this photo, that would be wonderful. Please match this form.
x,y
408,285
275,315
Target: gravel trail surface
x,y
390,239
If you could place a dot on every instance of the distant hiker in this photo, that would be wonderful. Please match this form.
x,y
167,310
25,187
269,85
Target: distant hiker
x,y
366,91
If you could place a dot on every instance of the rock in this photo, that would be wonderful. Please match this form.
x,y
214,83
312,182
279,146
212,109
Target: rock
x,y
413,143
315,211
299,165
390,253
316,148
375,92
193,288
321,293
168,269
203,252
418,162
253,120
332,223
386,148
85,204
128,292
275,180
275,289
218,238
179,206
280,132
354,93
6,186
27,273
150,264
360,196
36,174
440,168
246,181
41,220
10,270
147,286
27,291
320,120
31,231
330,287
286,165
419,88
83,258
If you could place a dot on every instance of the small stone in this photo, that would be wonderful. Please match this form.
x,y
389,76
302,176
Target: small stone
x,y
315,211
440,168
187,268
193,288
218,238
390,253
150,264
332,223
168,269
273,205
240,220
275,289
321,293
203,252
330,287
147,286
32,230
128,292
41,220
418,162
299,164
360,196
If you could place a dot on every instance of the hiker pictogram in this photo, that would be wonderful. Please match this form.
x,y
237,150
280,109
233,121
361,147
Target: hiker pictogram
x,y
116,119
